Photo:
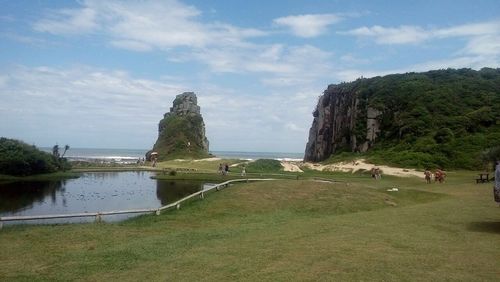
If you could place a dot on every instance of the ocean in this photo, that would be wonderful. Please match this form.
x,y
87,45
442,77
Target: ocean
x,y
132,155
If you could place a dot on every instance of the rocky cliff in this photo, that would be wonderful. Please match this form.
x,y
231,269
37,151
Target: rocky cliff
x,y
181,132
442,118
336,124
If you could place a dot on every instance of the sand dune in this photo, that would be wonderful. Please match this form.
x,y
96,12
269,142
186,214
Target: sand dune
x,y
352,166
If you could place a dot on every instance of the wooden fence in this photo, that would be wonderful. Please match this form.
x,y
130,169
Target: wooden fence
x,y
98,215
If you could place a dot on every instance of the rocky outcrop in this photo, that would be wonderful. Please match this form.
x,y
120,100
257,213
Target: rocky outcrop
x,y
338,124
181,132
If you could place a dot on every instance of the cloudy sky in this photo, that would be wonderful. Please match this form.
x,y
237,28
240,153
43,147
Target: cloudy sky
x,y
101,74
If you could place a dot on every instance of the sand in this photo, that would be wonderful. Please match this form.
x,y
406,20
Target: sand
x,y
359,164
291,166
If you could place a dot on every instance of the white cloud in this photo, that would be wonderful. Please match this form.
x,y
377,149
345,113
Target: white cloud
x,y
88,105
176,29
144,25
473,29
280,65
399,35
68,21
473,62
309,25
414,34
131,45
488,45
85,106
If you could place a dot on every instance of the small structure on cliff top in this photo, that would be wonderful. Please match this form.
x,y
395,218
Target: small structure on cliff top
x,y
181,132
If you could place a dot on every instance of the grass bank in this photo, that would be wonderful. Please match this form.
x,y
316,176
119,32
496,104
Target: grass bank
x,y
41,177
280,230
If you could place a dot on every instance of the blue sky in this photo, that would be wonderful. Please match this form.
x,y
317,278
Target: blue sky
x,y
102,73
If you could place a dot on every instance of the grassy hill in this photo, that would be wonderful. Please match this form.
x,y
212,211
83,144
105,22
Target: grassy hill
x,y
181,138
443,118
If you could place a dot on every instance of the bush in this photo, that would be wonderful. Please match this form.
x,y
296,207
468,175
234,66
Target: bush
x,y
264,165
20,159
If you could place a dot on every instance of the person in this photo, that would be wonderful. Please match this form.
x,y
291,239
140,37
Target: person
x,y
496,189
243,171
373,172
428,175
226,169
378,173
220,169
439,175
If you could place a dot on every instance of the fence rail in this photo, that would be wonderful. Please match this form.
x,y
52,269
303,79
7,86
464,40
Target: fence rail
x,y
98,215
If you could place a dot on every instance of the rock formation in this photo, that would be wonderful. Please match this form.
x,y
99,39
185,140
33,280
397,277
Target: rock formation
x,y
428,120
181,132
336,124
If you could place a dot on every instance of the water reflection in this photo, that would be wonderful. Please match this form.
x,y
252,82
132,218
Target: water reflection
x,y
168,190
93,192
15,196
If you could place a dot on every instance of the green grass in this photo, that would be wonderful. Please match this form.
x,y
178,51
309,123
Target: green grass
x,y
280,230
41,177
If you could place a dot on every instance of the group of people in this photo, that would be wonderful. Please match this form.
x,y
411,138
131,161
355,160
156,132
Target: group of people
x,y
224,169
439,176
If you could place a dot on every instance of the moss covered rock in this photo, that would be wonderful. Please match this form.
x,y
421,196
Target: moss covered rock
x,y
181,133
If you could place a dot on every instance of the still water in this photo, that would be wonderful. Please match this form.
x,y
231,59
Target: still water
x,y
92,192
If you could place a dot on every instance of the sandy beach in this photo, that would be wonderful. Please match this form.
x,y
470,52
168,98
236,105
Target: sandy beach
x,y
352,166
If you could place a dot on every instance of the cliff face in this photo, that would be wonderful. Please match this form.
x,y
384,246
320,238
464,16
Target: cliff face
x,y
442,118
336,124
181,132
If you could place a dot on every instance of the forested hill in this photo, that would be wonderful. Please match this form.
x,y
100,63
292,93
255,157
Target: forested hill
x,y
443,118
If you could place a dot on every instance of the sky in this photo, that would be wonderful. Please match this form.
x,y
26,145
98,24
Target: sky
x,y
101,74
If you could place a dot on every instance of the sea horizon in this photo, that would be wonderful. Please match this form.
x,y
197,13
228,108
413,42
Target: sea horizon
x,y
132,155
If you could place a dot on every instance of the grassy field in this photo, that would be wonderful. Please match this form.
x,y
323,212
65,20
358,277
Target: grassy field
x,y
283,230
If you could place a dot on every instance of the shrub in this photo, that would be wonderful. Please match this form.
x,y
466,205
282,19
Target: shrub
x,y
264,165
20,159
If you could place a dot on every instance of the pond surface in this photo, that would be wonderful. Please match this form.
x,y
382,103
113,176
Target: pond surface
x,y
92,192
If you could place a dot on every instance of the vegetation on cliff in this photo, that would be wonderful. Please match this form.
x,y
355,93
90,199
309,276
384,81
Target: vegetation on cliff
x,y
20,159
181,133
444,118
181,138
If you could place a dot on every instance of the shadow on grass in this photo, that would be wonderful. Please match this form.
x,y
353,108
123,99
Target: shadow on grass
x,y
488,227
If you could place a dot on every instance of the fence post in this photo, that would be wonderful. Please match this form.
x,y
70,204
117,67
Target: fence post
x,y
202,196
98,218
178,206
158,212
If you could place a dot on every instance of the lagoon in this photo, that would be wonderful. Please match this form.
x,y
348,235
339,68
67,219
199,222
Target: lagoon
x,y
92,192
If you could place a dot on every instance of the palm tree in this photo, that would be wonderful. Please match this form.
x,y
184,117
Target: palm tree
x,y
66,147
55,151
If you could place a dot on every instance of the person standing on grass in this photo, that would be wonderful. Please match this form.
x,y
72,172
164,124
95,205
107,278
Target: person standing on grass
x,y
243,171
496,189
428,175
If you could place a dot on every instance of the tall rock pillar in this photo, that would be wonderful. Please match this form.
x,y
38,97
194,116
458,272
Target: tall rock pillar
x,y
181,132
